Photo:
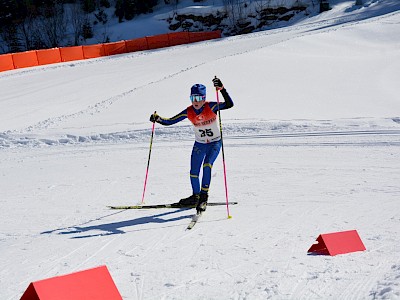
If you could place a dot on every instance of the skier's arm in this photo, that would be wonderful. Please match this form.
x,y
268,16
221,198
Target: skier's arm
x,y
228,100
169,121
222,105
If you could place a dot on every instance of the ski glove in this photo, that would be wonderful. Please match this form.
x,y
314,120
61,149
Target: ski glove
x,y
155,118
217,83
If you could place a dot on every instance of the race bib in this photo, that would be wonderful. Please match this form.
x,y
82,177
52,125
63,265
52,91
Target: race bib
x,y
206,127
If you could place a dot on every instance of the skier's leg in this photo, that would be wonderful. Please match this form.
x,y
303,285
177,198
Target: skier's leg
x,y
211,155
197,157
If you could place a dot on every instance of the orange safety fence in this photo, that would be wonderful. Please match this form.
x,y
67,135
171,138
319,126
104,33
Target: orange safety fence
x,y
115,48
214,34
136,45
48,56
93,51
198,36
178,38
158,41
25,59
6,62
65,54
71,53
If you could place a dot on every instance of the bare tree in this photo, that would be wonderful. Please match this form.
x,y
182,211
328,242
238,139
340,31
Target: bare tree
x,y
236,11
52,25
9,35
261,5
26,31
231,10
76,18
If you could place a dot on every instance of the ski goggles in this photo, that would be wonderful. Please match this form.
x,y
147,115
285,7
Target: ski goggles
x,y
197,98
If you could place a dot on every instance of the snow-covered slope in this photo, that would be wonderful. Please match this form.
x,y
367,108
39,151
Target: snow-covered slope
x,y
312,146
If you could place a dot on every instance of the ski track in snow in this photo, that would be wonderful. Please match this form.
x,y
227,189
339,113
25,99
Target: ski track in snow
x,y
327,132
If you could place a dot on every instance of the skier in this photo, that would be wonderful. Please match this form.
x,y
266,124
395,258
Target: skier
x,y
207,145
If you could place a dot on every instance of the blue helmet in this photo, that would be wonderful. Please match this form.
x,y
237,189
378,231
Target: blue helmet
x,y
198,92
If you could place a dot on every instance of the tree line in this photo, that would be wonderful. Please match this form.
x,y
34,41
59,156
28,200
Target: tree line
x,y
40,24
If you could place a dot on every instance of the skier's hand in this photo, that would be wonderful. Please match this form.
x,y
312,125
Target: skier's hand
x,y
155,118
217,83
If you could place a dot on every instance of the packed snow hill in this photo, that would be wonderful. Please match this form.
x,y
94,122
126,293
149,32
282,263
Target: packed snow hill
x,y
311,147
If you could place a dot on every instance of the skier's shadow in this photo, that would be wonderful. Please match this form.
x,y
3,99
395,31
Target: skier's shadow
x,y
116,227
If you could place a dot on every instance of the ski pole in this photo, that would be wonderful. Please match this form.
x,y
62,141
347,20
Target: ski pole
x,y
148,161
223,155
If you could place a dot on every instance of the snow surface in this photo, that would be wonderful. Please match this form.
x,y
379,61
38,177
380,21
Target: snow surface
x,y
311,147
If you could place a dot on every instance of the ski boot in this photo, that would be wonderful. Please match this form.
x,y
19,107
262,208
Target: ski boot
x,y
190,201
202,204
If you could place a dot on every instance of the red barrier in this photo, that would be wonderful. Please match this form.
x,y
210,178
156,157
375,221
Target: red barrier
x,y
94,283
65,54
136,45
71,53
158,41
178,38
115,48
25,59
197,37
213,35
48,56
93,51
337,243
6,62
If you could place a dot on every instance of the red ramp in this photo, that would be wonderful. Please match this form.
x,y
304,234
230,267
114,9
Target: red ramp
x,y
337,243
94,283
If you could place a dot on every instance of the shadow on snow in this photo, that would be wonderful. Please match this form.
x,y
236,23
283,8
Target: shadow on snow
x,y
116,227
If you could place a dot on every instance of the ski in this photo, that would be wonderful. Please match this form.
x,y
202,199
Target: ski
x,y
194,220
171,205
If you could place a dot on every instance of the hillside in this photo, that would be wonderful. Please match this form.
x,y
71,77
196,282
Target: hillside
x,y
69,25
